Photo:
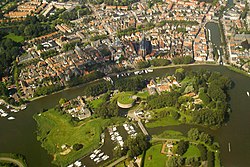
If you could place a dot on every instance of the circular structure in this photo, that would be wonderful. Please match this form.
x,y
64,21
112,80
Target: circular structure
x,y
126,100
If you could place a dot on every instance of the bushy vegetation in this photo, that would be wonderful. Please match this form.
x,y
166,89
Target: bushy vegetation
x,y
46,90
183,60
130,84
86,78
97,88
211,88
133,146
115,3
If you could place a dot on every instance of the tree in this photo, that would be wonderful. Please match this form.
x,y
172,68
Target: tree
x,y
204,97
182,147
203,151
143,64
160,62
77,147
206,138
210,159
179,74
136,146
193,134
175,115
62,101
172,162
216,93
3,90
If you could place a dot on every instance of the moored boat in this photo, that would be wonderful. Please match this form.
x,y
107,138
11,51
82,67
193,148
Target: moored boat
x,y
11,118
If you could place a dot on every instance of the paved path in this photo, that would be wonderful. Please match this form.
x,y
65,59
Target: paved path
x,y
117,161
11,160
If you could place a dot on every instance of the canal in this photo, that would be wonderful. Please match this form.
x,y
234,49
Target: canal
x,y
19,136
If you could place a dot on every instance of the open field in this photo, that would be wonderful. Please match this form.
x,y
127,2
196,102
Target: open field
x,y
166,121
97,102
125,98
154,158
56,130
192,151
15,38
170,134
143,95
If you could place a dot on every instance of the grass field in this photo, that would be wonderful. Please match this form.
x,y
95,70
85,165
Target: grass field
x,y
143,95
55,130
154,158
125,98
170,134
97,102
166,121
192,151
15,37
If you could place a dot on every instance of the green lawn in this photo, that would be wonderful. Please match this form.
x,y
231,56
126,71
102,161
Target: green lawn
x,y
217,159
166,121
55,130
125,98
143,95
170,134
154,158
97,102
15,37
192,151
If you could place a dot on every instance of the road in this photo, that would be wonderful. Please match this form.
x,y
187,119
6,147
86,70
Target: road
x,y
11,160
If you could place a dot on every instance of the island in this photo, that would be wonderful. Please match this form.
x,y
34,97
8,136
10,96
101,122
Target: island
x,y
76,127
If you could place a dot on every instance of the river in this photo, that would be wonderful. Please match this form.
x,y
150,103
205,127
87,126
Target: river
x,y
19,136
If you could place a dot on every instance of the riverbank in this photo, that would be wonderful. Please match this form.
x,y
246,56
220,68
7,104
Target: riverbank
x,y
16,159
68,140
159,67
235,69
15,107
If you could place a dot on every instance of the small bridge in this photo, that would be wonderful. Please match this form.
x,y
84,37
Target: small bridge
x,y
143,129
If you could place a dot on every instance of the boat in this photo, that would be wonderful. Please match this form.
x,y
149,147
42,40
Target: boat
x,y
14,110
248,93
229,147
4,115
150,70
101,154
23,107
11,118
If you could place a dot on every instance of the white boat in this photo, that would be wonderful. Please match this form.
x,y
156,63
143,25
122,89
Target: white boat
x,y
23,107
150,70
14,110
100,155
11,118
248,93
4,115
92,156
105,157
229,147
